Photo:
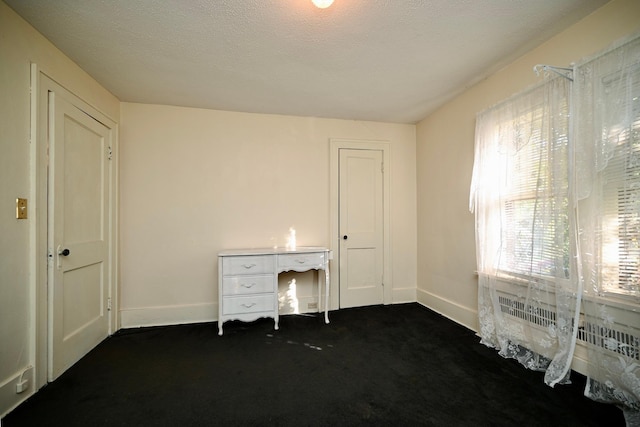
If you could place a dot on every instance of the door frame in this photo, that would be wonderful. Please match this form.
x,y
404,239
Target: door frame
x,y
39,259
335,145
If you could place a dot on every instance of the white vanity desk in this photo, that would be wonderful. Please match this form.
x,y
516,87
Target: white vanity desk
x,y
248,280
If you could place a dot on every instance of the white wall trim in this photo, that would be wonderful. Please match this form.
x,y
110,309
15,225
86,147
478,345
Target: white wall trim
x,y
404,295
168,315
464,316
38,255
9,399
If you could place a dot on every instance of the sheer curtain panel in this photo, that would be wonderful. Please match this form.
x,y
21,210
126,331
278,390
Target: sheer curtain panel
x,y
527,302
607,138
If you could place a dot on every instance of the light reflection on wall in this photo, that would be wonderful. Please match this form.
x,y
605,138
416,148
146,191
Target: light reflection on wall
x,y
291,240
290,297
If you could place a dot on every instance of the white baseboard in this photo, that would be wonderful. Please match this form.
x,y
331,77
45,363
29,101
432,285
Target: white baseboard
x,y
469,318
403,295
199,313
465,316
168,315
9,399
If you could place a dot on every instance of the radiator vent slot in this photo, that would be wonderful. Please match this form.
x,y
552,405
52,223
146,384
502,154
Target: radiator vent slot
x,y
529,313
615,340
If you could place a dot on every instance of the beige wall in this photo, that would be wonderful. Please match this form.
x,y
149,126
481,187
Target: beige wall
x,y
20,45
445,142
194,182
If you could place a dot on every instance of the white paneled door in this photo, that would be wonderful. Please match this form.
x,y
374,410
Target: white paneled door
x,y
361,227
79,232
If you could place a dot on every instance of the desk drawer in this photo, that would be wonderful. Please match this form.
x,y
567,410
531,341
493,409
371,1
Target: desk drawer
x,y
238,285
248,304
300,261
256,264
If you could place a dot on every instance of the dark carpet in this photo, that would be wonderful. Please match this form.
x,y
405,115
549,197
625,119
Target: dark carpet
x,y
381,365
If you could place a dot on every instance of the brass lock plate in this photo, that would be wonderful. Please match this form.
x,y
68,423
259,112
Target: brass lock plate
x,y
21,208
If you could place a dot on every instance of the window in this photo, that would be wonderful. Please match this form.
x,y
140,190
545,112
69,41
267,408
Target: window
x,y
524,178
524,172
621,183
535,232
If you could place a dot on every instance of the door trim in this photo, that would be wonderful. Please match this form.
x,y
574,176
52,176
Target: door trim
x,y
40,82
334,197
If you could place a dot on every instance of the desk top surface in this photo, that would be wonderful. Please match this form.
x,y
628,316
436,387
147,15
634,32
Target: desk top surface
x,y
272,251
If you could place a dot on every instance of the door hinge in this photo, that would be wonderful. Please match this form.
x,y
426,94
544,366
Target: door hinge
x,y
110,155
108,304
382,167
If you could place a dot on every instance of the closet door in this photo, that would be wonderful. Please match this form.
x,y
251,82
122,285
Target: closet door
x,y
79,232
361,227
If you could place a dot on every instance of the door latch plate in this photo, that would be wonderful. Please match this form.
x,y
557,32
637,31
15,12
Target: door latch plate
x,y
21,208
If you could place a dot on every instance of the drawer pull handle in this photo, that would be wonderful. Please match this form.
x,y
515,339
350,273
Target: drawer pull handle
x,y
248,285
245,305
301,261
248,266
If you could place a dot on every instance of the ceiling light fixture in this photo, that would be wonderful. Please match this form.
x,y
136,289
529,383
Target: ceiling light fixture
x,y
322,4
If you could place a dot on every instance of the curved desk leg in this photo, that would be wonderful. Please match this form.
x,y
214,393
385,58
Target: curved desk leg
x,y
327,286
219,327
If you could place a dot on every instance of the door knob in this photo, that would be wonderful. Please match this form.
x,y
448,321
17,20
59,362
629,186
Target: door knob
x,y
61,253
345,237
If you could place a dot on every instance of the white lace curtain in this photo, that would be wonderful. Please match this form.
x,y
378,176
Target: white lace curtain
x,y
519,194
607,147
558,226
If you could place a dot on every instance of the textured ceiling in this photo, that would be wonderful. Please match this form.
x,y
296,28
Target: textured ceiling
x,y
381,60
